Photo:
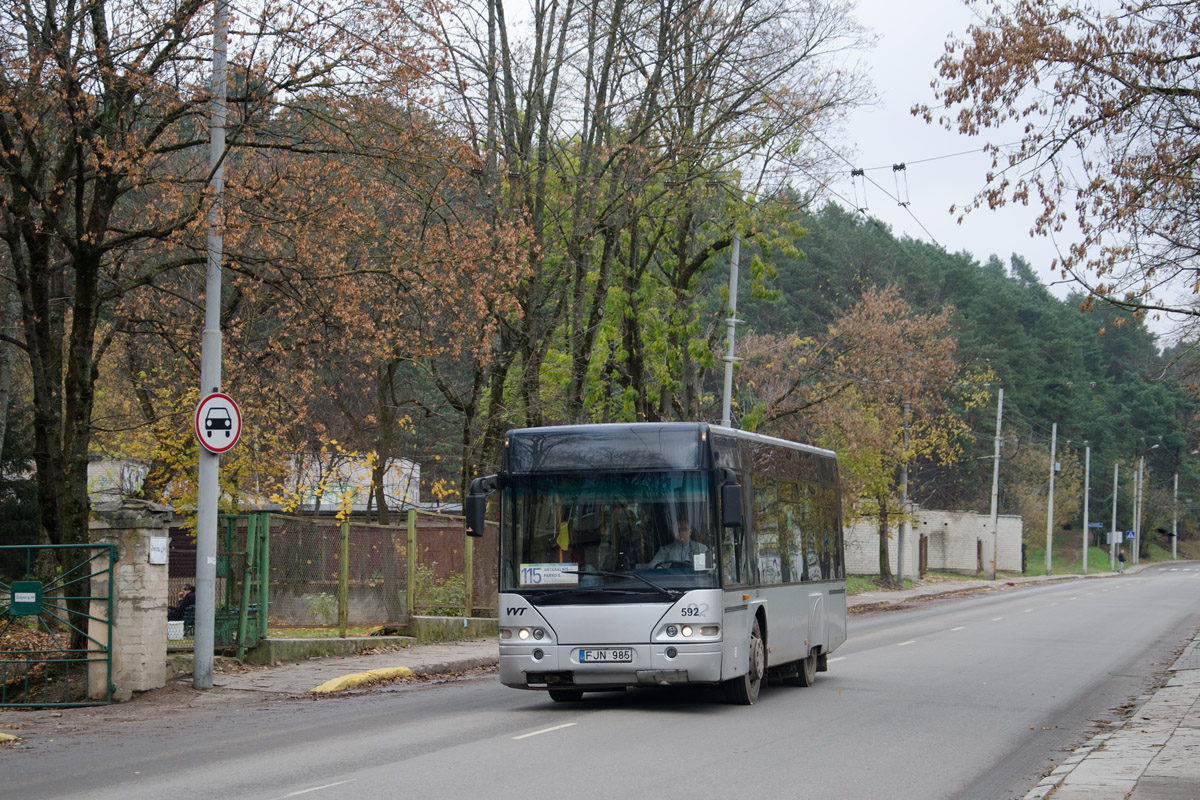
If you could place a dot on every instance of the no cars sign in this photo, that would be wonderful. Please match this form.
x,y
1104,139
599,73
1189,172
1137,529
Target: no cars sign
x,y
218,423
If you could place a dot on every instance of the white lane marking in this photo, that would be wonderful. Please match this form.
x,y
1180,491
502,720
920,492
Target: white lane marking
x,y
544,730
1074,598
959,628
315,789
1026,611
839,658
997,619
910,641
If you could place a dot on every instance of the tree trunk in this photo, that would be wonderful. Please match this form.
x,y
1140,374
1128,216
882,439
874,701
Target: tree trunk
x,y
885,564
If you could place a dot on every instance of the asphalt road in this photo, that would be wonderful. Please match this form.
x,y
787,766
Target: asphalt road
x,y
973,697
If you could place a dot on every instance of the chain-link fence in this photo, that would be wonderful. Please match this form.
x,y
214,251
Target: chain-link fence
x,y
307,561
383,585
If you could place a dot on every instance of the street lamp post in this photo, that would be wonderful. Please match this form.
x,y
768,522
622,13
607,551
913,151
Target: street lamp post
x,y
1137,507
1087,482
1112,534
1175,521
1050,508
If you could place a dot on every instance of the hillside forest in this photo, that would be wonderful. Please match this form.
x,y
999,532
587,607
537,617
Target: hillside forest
x,y
439,224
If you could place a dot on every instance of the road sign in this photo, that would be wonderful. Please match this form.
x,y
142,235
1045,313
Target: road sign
x,y
1129,536
1095,524
218,423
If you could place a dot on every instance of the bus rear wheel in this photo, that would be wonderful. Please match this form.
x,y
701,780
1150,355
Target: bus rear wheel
x,y
806,672
743,690
566,695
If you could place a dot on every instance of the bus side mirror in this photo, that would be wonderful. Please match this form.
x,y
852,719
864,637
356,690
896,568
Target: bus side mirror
x,y
475,504
731,505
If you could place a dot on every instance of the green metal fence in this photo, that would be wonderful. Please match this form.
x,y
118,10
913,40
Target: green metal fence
x,y
242,557
56,624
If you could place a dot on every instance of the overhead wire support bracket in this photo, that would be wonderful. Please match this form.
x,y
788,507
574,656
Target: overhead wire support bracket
x,y
902,197
857,176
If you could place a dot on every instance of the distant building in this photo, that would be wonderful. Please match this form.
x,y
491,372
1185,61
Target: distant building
x,y
943,541
325,485
114,478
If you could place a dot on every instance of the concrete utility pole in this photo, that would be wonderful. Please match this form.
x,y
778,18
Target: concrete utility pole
x,y
210,368
730,324
1137,509
1087,482
1050,509
996,487
1113,534
903,501
1175,521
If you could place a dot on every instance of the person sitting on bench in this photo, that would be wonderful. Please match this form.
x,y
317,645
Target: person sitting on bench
x,y
186,600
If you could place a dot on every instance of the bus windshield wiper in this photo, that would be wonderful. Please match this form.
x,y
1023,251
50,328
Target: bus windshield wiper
x,y
671,594
582,590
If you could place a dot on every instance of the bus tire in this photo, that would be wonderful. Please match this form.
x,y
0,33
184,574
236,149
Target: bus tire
x,y
743,690
566,695
806,672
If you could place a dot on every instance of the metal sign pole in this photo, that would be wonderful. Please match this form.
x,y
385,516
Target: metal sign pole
x,y
210,369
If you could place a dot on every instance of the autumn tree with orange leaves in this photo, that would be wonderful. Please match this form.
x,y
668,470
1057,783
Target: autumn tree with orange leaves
x,y
878,369
103,156
1098,103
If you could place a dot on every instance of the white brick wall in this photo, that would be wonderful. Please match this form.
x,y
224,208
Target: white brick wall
x,y
953,538
862,549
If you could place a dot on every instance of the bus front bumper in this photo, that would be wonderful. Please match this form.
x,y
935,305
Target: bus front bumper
x,y
554,666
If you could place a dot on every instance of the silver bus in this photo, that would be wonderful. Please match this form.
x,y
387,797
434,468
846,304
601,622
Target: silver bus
x,y
646,554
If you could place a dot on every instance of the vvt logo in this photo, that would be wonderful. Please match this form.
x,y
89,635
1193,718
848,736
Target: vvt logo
x,y
515,612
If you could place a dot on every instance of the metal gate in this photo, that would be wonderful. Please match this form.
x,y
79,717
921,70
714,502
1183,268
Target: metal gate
x,y
56,624
242,559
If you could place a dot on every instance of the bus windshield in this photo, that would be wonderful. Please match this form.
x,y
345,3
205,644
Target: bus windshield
x,y
607,537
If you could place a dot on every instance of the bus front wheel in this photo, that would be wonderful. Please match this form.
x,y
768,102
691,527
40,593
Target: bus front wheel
x,y
743,690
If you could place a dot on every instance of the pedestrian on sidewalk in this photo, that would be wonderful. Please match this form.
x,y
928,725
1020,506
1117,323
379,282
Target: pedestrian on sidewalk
x,y
1120,562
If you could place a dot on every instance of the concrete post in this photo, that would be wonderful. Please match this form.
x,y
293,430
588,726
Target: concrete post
x,y
139,602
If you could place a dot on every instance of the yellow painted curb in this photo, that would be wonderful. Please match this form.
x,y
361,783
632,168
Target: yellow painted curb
x,y
7,737
359,678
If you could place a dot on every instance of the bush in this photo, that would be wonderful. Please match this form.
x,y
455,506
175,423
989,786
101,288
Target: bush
x,y
439,598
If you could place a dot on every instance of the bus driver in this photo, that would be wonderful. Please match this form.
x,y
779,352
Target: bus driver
x,y
682,550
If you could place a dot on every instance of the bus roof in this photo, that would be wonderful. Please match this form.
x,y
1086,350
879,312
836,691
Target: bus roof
x,y
628,445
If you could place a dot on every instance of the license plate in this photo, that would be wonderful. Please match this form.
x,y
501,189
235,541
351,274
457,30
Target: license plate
x,y
610,655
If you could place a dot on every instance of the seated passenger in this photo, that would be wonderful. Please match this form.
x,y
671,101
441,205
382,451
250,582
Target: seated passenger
x,y
187,600
681,550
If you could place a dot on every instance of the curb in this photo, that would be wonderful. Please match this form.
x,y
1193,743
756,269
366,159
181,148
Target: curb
x,y
355,679
359,678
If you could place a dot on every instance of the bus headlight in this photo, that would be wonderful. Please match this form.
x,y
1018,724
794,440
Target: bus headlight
x,y
686,630
672,630
523,634
505,633
538,633
710,630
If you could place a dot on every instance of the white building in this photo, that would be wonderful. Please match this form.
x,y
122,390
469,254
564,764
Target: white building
x,y
955,541
332,483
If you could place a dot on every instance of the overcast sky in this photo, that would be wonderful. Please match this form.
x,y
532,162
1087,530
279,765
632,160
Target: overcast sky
x,y
912,36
